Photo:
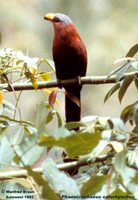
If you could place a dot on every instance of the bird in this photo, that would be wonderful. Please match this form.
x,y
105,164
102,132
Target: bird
x,y
70,58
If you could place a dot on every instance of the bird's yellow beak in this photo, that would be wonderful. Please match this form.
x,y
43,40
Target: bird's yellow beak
x,y
49,16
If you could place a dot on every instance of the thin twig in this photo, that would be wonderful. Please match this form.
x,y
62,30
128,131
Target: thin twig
x,y
85,160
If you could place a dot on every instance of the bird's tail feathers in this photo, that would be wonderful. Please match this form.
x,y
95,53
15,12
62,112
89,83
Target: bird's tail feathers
x,y
73,104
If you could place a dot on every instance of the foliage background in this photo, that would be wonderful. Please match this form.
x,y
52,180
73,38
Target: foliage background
x,y
108,28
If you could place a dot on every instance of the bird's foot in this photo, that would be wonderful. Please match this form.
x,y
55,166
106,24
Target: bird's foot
x,y
78,78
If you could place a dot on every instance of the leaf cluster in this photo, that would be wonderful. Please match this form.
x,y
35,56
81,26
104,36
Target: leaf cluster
x,y
103,153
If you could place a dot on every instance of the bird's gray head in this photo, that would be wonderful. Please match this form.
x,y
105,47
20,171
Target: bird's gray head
x,y
58,17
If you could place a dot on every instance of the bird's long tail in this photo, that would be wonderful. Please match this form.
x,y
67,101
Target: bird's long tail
x,y
73,104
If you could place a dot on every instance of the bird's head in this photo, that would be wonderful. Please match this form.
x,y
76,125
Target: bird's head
x,y
63,26
58,18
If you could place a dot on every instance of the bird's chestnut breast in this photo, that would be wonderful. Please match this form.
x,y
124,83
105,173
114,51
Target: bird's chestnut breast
x,y
69,52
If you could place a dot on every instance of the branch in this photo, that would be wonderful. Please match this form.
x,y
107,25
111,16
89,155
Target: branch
x,y
85,160
49,84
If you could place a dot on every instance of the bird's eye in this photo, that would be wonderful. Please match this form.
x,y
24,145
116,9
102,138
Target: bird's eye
x,y
56,19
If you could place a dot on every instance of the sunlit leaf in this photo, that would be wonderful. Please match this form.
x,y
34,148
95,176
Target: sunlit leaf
x,y
122,169
117,146
75,145
1,97
121,60
118,123
122,71
60,181
34,150
17,137
45,76
6,151
114,71
90,118
32,78
132,157
135,65
126,83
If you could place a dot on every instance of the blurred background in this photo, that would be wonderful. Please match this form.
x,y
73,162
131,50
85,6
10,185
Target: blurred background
x,y
108,28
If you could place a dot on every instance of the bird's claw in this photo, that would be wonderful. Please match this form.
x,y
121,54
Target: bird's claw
x,y
78,78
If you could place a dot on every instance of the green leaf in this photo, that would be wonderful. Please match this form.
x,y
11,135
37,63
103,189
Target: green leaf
x,y
32,78
34,150
75,145
24,183
125,113
132,51
135,65
136,82
93,185
130,113
30,130
18,62
50,63
121,168
114,71
6,123
90,118
47,191
121,72
73,125
45,76
49,117
8,107
1,109
17,137
136,178
112,91
135,130
60,181
120,193
17,159
59,119
136,116
132,158
126,83
6,151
